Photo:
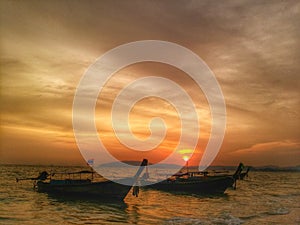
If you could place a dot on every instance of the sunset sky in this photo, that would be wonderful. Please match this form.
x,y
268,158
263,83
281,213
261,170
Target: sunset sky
x,y
252,47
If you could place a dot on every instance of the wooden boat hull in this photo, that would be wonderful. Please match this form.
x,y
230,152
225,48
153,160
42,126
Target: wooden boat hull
x,y
95,190
200,186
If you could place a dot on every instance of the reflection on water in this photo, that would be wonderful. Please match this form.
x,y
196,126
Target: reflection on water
x,y
265,198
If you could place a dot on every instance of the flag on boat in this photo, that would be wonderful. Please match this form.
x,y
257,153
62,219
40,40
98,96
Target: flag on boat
x,y
90,162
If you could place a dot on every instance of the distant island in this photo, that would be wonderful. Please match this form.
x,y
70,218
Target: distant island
x,y
277,169
138,163
268,168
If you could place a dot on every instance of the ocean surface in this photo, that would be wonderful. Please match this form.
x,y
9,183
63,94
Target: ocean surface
x,y
263,198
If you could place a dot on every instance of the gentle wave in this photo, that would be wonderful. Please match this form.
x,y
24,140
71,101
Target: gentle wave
x,y
264,198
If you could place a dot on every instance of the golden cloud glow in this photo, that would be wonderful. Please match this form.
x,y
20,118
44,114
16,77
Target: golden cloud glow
x,y
253,49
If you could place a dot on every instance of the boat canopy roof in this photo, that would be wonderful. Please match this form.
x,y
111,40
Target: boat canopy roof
x,y
77,172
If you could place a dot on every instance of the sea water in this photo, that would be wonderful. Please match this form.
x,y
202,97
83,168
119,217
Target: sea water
x,y
263,198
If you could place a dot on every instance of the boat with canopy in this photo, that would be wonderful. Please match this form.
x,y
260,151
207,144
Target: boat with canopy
x,y
76,184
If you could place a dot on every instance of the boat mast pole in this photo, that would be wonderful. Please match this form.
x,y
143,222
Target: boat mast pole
x,y
138,173
187,166
140,170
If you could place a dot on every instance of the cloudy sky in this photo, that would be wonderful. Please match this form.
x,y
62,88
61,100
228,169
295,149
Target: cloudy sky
x,y
252,47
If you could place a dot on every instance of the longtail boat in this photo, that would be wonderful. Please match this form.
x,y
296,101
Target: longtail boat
x,y
205,185
86,188
196,183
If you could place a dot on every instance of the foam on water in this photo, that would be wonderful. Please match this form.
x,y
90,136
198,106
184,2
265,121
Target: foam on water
x,y
280,211
225,219
184,221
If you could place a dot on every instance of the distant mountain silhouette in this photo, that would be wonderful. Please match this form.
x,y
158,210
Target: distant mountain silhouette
x,y
138,163
268,168
277,168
